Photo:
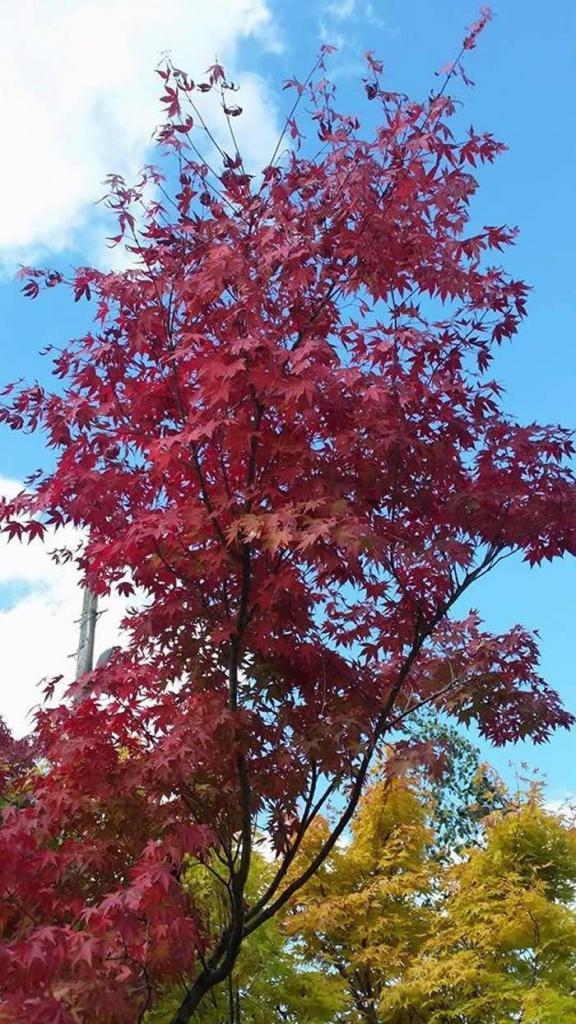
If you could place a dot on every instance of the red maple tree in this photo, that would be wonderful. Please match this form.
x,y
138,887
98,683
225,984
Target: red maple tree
x,y
282,431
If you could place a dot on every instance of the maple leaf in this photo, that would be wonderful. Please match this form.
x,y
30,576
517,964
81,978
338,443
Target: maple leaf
x,y
216,73
31,289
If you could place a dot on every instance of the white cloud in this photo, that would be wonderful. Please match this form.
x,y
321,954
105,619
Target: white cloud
x,y
341,9
357,14
79,98
40,604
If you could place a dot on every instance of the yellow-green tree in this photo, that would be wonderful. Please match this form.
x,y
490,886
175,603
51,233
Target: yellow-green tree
x,y
503,945
487,939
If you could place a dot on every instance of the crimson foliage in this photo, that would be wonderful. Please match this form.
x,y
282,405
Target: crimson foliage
x,y
282,431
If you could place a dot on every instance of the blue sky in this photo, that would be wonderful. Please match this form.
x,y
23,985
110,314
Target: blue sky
x,y
94,113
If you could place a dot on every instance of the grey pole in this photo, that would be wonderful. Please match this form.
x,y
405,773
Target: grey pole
x,y
85,655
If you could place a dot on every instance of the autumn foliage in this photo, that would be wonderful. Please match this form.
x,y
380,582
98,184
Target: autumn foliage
x,y
480,938
282,431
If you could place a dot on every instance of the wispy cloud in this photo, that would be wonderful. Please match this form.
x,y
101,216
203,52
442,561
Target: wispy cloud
x,y
340,9
374,17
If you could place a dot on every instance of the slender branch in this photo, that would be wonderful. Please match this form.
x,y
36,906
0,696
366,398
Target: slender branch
x,y
308,815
